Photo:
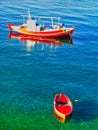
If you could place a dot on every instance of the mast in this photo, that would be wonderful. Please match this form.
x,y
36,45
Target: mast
x,y
29,15
58,21
31,24
23,17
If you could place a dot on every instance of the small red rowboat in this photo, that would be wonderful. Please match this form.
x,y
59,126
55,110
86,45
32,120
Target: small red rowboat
x,y
62,107
34,27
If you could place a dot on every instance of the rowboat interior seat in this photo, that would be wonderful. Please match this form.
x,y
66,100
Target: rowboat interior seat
x,y
61,103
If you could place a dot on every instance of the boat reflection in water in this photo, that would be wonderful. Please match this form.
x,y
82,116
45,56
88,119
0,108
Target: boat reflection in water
x,y
32,41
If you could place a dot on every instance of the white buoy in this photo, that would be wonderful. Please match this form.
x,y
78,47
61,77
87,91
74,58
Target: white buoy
x,y
76,100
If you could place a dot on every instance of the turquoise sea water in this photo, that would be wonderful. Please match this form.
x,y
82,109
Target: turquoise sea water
x,y
31,74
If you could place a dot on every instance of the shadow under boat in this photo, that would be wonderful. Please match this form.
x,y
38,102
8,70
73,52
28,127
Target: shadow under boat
x,y
52,41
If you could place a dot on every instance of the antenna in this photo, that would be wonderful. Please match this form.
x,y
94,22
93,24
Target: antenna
x,y
23,18
59,20
29,15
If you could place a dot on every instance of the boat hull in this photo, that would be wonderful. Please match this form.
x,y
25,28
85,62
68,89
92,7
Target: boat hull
x,y
62,32
63,111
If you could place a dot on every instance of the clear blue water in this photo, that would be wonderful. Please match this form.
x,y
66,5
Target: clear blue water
x,y
30,76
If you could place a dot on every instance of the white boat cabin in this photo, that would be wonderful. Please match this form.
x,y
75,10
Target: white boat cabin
x,y
32,25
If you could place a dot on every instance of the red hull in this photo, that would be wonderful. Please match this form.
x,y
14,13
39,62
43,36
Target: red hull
x,y
47,33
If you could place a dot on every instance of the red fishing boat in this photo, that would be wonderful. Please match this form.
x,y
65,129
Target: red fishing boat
x,y
34,27
62,107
